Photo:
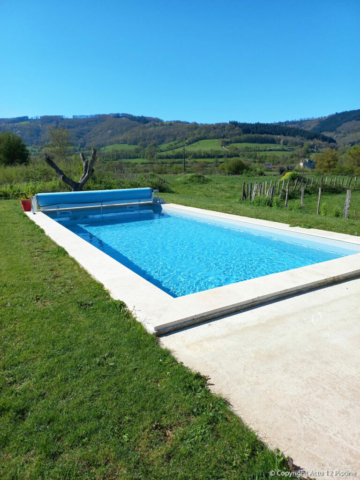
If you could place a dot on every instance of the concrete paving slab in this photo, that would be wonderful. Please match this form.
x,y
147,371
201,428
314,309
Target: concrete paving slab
x,y
291,370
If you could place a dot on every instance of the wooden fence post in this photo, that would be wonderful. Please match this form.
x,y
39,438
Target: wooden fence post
x,y
319,200
347,204
287,195
254,192
250,191
355,183
243,196
302,196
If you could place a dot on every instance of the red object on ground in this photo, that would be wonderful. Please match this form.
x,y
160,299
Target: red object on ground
x,y
26,205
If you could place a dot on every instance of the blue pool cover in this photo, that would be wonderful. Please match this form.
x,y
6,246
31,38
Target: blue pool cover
x,y
93,197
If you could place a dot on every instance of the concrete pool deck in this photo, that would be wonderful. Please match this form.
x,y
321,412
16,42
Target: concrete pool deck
x,y
291,371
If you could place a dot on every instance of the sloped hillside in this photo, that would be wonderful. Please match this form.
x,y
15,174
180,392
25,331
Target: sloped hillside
x,y
104,130
344,126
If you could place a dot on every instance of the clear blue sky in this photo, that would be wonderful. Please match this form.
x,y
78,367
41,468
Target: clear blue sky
x,y
200,60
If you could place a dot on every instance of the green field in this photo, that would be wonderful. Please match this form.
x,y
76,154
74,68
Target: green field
x,y
223,194
276,153
170,146
87,393
119,147
212,144
255,146
204,145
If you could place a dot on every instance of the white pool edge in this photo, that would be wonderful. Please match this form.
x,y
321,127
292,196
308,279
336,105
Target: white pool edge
x,y
160,313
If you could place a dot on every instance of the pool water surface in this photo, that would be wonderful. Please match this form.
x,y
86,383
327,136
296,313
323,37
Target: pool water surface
x,y
184,254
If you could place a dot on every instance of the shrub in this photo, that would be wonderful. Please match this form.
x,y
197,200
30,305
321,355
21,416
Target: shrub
x,y
234,166
262,201
177,169
276,202
155,182
324,209
286,176
192,178
337,211
297,206
259,173
292,176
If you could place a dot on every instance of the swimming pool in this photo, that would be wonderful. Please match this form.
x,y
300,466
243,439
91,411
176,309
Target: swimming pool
x,y
184,253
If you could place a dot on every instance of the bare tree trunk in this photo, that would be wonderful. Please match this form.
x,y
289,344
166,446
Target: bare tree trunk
x,y
88,170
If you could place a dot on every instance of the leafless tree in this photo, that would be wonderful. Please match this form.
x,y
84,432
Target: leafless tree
x,y
88,170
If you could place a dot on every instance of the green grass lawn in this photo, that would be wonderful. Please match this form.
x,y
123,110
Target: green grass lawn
x,y
223,194
86,392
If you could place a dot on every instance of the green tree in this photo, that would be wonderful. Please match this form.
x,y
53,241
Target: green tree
x,y
12,149
352,158
60,143
327,161
234,166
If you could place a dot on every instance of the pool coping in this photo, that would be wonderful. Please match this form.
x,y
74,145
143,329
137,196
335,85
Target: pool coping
x,y
160,313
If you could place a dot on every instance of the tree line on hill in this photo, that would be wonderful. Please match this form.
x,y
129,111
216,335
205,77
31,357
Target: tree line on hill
x,y
273,129
333,122
103,130
330,123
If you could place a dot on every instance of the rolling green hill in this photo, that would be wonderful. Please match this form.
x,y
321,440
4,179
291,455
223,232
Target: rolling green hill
x,y
116,130
344,127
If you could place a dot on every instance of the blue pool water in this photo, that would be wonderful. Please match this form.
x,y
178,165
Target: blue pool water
x,y
182,254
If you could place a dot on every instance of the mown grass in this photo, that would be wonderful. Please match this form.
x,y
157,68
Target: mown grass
x,y
223,194
87,393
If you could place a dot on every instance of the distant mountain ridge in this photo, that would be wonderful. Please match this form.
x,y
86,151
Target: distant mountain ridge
x,y
343,126
107,129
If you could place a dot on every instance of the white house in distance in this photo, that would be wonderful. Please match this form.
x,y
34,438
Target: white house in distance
x,y
307,163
